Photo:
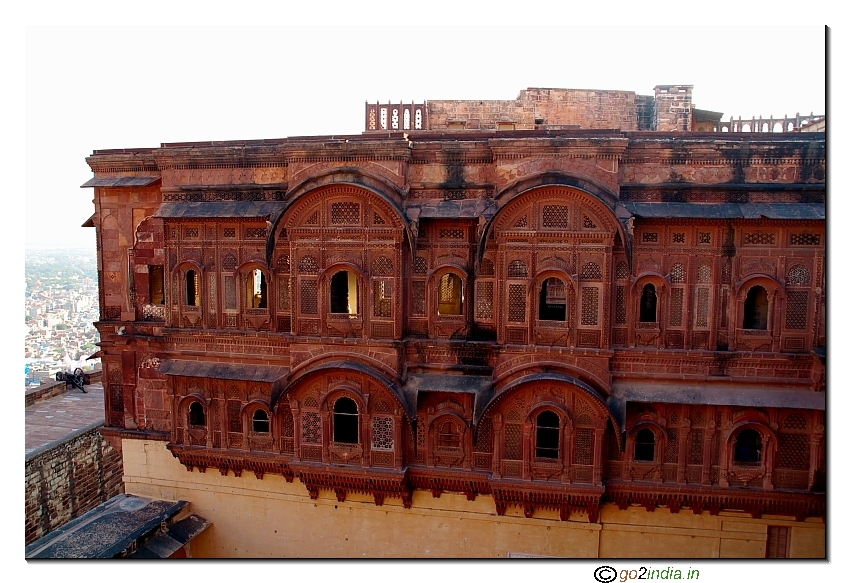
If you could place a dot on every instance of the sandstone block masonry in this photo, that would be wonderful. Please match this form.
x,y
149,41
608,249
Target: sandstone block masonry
x,y
67,479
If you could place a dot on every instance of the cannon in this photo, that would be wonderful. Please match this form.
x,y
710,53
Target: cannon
x,y
73,379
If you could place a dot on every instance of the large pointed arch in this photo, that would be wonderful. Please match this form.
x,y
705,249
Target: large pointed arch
x,y
600,199
370,184
580,386
308,373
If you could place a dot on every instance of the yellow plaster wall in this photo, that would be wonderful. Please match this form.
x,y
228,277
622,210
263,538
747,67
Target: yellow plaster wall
x,y
273,518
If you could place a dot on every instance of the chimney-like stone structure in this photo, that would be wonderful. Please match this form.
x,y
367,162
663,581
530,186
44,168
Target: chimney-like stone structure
x,y
673,108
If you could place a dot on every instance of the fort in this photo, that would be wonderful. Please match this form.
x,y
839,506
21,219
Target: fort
x,y
580,323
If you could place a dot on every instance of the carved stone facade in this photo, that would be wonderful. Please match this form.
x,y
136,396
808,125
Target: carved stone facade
x,y
556,319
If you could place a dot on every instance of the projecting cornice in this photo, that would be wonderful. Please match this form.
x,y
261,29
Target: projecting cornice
x,y
558,147
718,152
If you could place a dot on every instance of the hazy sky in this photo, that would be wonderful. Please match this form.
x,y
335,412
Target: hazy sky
x,y
124,87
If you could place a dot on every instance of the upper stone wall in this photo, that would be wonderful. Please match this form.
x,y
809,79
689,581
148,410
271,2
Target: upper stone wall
x,y
535,108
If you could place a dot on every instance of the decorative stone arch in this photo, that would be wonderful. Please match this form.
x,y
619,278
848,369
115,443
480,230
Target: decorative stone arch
x,y
589,380
259,440
364,179
660,434
250,407
327,406
600,200
748,338
585,438
535,291
368,388
242,272
190,315
441,454
310,370
380,192
649,333
760,474
193,434
448,325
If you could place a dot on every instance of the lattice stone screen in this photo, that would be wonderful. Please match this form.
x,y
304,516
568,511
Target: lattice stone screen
x,y
589,306
517,269
584,446
798,275
513,441
309,297
417,289
311,427
516,303
484,300
795,313
677,296
591,272
382,266
702,308
556,217
345,213
382,433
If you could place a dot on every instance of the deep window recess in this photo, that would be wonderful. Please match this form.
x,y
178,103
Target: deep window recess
x,y
193,288
645,446
553,300
256,290
345,421
344,293
648,304
260,421
450,295
448,437
197,417
156,284
755,309
548,435
748,447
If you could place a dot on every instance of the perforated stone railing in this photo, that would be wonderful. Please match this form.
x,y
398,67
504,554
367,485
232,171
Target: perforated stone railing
x,y
769,125
395,117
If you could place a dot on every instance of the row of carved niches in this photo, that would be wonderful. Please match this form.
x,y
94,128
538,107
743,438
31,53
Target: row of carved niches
x,y
721,446
549,432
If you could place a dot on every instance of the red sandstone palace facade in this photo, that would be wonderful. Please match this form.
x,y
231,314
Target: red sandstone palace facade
x,y
557,304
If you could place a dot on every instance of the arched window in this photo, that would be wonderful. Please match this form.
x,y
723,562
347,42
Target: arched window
x,y
748,447
256,292
645,446
648,304
193,288
197,417
755,309
548,435
448,436
346,419
450,295
344,293
553,300
260,421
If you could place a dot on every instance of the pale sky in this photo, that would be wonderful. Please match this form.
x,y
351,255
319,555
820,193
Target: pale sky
x,y
91,88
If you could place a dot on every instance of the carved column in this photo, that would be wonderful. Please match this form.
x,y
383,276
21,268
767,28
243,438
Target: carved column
x,y
295,407
681,467
497,446
813,459
527,450
598,440
768,463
